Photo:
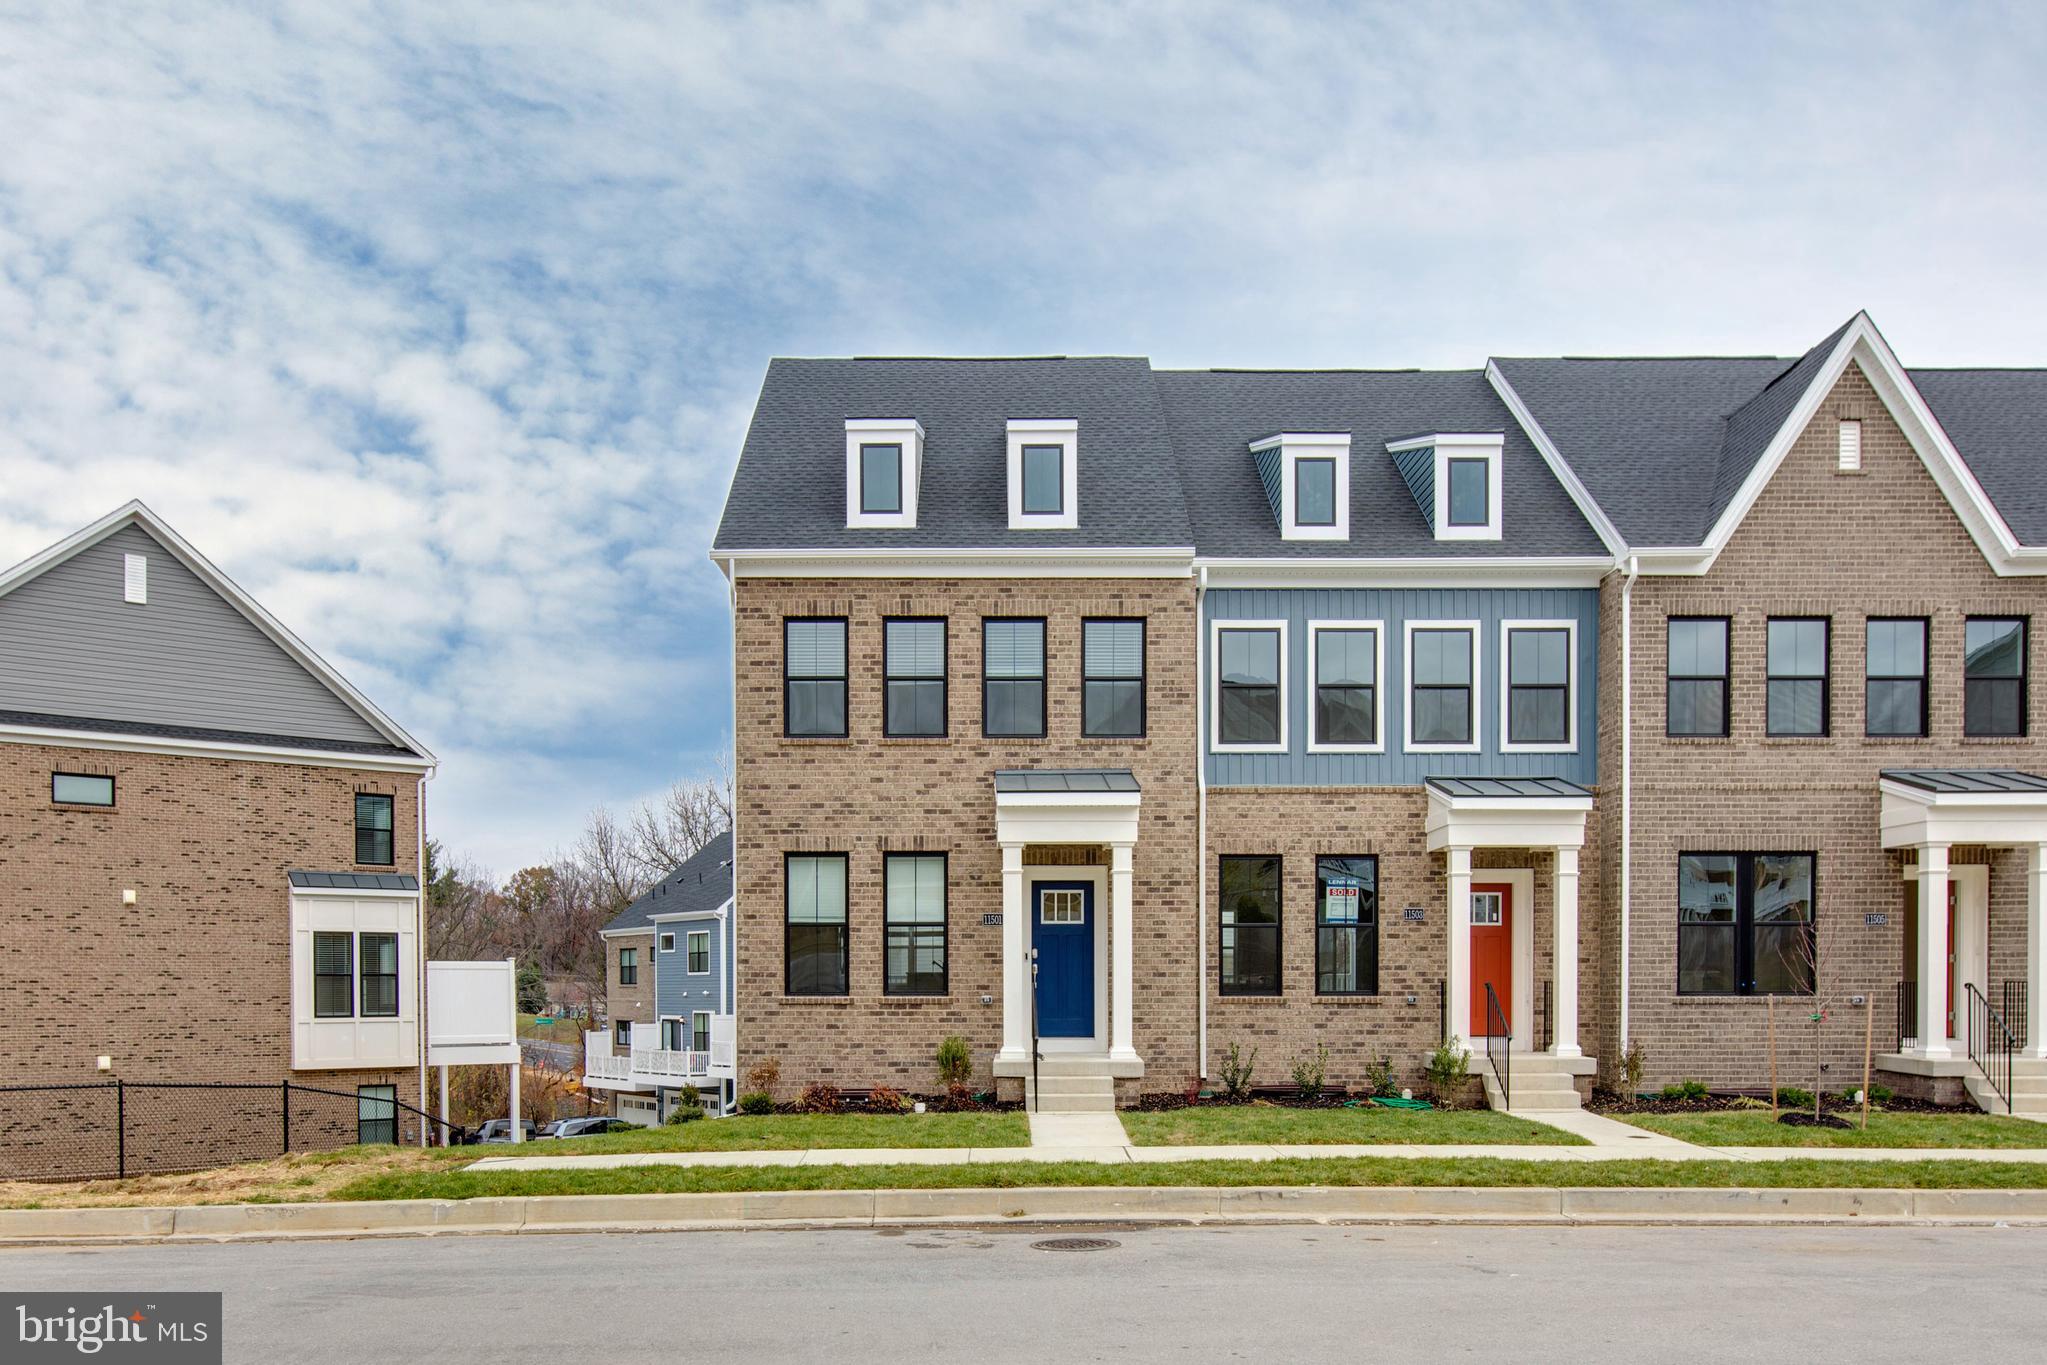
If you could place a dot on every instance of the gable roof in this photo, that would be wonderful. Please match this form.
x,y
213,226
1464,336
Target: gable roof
x,y
191,697
704,882
1998,421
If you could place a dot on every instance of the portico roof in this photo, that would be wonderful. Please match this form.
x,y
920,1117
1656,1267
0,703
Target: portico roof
x,y
1506,812
1065,780
1521,788
1954,781
1998,807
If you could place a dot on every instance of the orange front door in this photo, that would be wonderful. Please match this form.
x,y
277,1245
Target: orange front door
x,y
1492,954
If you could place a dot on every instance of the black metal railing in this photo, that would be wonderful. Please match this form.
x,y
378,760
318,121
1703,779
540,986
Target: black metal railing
x,y
2014,1005
1991,1042
1907,998
1443,1010
1545,1021
1499,1046
1037,1094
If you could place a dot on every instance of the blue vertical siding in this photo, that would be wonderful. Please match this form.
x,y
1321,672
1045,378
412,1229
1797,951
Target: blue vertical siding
x,y
1418,468
675,990
1398,767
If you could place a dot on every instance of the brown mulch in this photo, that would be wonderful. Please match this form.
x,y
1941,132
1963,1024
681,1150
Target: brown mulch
x,y
1609,1102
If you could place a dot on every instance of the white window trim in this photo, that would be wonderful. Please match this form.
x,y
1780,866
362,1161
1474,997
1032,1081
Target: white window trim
x,y
1570,745
1378,744
1482,446
1215,687
906,432
1477,687
689,934
1294,447
706,1016
1062,432
667,943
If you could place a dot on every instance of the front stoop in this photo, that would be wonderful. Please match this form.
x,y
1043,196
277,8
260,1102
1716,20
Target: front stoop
x,y
1542,1083
2028,1089
1071,1085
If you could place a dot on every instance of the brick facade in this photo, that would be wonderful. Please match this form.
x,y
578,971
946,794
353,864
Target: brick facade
x,y
635,1003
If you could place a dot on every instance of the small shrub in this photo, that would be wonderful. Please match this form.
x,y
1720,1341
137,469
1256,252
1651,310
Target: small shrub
x,y
1879,1096
1449,1068
1379,1076
763,1076
756,1102
958,1099
819,1097
1310,1072
1791,1097
886,1099
955,1061
1685,1090
1747,1102
687,1111
1235,1074
1634,1058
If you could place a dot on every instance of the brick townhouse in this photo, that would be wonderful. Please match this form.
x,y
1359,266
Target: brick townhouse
x,y
1112,717
210,843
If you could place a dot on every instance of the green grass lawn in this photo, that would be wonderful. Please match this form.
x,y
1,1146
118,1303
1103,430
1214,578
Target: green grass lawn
x,y
560,1031
442,1183
791,1132
1265,1123
1755,1128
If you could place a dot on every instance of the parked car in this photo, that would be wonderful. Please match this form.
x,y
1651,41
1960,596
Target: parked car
x,y
601,1123
500,1130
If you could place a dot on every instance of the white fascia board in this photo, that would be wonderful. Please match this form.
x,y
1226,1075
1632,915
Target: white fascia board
x,y
135,513
206,748
625,933
1019,562
671,916
1497,571
354,893
1588,506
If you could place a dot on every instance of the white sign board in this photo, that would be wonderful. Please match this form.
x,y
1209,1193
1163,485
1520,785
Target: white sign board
x,y
472,1013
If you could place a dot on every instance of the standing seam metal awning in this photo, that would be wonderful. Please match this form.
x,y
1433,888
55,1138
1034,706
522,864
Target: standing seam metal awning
x,y
1958,781
1066,780
1532,788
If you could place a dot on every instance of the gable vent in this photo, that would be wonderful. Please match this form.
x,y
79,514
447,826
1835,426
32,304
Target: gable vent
x,y
135,578
1850,446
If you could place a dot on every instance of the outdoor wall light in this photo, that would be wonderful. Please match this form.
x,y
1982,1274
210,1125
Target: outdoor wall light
x,y
106,1063
128,897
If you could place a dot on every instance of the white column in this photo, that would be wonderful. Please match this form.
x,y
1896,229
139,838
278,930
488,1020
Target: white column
x,y
444,1104
1933,951
518,1133
1122,943
1016,967
1457,942
1566,954
2036,950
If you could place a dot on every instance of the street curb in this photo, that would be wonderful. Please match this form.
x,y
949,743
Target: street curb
x,y
1127,1205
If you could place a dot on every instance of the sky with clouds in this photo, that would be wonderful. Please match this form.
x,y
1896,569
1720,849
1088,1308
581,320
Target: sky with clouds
x,y
437,326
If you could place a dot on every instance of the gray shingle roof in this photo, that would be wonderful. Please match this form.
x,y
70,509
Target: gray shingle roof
x,y
1752,426
702,883
1998,421
90,725
355,881
1960,781
1065,780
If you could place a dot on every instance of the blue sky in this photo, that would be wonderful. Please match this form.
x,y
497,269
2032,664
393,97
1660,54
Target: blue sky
x,y
437,326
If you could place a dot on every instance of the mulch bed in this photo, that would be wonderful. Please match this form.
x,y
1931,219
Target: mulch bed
x,y
1609,1102
1281,1097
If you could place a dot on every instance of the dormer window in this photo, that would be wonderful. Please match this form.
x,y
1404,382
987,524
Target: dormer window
x,y
884,459
1469,502
1307,480
1455,480
1044,474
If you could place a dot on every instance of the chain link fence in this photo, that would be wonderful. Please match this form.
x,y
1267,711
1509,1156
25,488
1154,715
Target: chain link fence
x,y
115,1129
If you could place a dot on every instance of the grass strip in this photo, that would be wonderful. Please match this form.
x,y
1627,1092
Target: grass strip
x,y
1756,1128
791,1133
1236,1125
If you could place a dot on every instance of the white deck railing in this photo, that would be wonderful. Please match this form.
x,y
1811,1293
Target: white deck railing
x,y
652,1066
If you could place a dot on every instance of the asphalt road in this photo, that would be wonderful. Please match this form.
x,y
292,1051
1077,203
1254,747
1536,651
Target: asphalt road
x,y
1268,1294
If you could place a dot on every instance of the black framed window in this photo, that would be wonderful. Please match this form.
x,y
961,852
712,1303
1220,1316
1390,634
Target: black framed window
x,y
1044,480
913,890
1994,676
881,478
376,1113
1894,677
629,966
671,1035
1249,940
913,676
1346,685
1470,500
81,789
1441,690
1013,676
1247,674
622,1033
333,976
373,829
1111,678
1314,492
1538,685
379,982
1745,923
1695,666
814,677
698,945
700,1031
1347,926
815,947
1797,694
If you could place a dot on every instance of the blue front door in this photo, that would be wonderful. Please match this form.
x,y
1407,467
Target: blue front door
x,y
1063,932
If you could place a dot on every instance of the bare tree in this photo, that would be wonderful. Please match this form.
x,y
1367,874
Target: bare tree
x,y
668,832
465,916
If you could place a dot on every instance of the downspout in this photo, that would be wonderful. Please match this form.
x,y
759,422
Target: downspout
x,y
1627,777
1201,824
732,944
419,962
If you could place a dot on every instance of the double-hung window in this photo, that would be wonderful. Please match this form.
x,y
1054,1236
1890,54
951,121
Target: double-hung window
x,y
1696,669
333,976
700,1031
373,829
698,945
1250,671
913,677
355,976
1894,677
814,948
1346,702
814,677
1540,669
1442,664
1745,924
379,985
914,928
1346,926
1013,677
1111,678
1249,938
629,966
1994,676
1796,700
376,1113
881,478
1470,500
1044,480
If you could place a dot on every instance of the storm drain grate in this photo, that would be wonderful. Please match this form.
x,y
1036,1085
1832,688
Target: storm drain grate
x,y
1074,1244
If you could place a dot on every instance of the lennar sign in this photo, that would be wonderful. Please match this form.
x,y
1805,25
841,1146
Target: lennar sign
x,y
169,1329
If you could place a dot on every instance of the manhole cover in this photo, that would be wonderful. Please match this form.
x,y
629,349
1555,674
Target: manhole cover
x,y
1074,1244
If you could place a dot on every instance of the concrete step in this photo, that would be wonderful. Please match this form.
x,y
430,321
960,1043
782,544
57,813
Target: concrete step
x,y
1064,1064
1536,1086
1071,1104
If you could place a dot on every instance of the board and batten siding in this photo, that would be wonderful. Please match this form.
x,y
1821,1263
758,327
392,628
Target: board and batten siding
x,y
70,645
1396,766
